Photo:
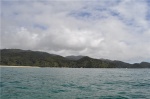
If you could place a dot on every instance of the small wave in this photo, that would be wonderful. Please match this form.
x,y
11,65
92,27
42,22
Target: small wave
x,y
20,87
69,85
113,97
15,82
58,91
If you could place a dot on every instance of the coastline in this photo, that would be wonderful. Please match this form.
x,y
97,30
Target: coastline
x,y
20,66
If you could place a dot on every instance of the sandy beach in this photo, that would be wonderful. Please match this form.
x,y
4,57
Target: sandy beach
x,y
21,66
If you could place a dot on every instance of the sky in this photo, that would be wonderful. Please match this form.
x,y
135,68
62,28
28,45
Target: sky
x,y
108,29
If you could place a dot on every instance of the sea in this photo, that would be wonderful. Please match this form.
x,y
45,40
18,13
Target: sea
x,y
74,83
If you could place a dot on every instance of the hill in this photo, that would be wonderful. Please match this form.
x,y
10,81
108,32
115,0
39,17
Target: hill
x,y
74,57
20,57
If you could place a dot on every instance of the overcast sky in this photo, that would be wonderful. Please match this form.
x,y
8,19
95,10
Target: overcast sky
x,y
109,29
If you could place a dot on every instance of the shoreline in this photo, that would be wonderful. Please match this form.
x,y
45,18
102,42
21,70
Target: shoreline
x,y
1,66
21,66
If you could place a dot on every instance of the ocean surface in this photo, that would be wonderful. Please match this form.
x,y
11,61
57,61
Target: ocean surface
x,y
74,83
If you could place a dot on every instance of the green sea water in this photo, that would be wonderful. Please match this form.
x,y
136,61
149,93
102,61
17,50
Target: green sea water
x,y
74,83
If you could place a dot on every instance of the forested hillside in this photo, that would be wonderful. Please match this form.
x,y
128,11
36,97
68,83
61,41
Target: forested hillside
x,y
20,57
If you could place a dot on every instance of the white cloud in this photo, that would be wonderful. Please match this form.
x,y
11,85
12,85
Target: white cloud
x,y
101,29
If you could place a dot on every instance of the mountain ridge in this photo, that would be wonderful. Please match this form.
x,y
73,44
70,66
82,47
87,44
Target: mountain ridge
x,y
73,57
20,57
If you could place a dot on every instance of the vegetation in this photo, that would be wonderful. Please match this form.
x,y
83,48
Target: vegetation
x,y
19,57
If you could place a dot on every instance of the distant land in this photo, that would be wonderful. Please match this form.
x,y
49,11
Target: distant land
x,y
18,57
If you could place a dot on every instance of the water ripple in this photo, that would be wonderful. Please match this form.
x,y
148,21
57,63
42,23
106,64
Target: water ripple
x,y
73,83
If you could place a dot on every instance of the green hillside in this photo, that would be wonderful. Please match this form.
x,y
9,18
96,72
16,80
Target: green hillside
x,y
18,57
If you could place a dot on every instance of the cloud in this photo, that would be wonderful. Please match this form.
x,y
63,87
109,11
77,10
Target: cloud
x,y
117,29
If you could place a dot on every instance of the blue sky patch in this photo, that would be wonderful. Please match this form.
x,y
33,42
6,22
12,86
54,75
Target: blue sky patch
x,y
40,26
